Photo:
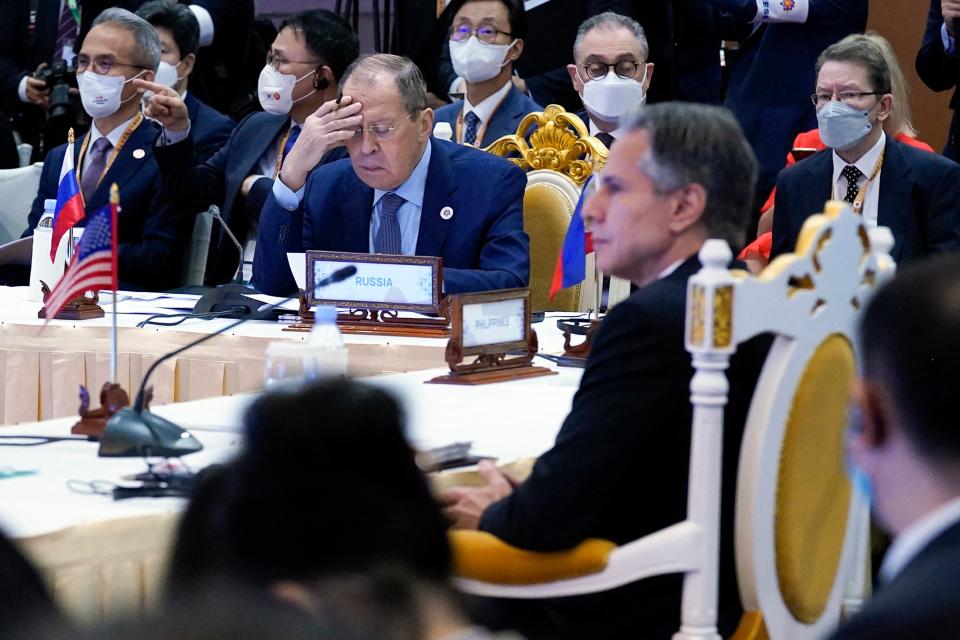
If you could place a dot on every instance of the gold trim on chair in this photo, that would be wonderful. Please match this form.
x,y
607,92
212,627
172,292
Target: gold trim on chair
x,y
560,142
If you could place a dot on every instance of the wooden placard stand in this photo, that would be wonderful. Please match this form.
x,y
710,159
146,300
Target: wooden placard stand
x,y
574,352
81,308
492,363
377,317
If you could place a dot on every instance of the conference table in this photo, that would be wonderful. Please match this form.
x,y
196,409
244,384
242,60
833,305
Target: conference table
x,y
102,556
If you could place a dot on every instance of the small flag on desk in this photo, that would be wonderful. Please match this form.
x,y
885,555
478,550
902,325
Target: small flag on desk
x,y
69,209
94,265
571,266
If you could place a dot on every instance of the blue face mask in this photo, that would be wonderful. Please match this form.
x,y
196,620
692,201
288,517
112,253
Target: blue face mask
x,y
858,477
841,126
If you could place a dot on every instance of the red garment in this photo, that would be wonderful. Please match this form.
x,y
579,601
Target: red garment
x,y
760,248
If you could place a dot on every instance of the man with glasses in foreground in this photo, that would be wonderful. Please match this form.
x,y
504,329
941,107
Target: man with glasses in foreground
x,y
914,193
402,192
610,71
680,174
120,48
305,62
485,40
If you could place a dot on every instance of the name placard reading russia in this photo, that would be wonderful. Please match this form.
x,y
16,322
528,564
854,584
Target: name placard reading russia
x,y
381,282
488,323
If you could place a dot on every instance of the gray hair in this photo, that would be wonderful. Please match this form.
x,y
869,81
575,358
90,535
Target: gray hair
x,y
410,83
146,50
610,20
700,144
864,52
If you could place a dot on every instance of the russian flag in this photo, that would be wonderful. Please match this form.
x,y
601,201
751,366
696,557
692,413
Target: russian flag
x,y
69,210
571,266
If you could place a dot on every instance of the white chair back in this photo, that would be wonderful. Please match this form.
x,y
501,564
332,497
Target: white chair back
x,y
18,188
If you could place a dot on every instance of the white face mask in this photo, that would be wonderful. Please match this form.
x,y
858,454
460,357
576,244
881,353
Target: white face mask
x,y
476,61
166,75
612,96
100,94
275,90
841,126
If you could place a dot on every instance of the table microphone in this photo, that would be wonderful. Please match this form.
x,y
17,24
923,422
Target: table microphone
x,y
229,300
135,431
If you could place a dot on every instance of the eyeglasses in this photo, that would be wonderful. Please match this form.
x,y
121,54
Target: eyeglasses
x,y
275,60
381,132
101,64
626,69
846,97
488,34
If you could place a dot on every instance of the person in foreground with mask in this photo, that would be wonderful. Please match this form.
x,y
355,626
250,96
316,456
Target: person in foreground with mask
x,y
403,192
179,34
120,48
485,39
903,450
913,192
611,72
307,58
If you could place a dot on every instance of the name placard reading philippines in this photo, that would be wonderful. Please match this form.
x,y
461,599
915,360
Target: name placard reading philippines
x,y
402,283
491,321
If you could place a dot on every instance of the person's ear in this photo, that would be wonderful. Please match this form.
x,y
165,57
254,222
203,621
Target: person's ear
x,y
573,70
186,64
515,51
871,425
323,78
649,76
691,202
426,124
886,106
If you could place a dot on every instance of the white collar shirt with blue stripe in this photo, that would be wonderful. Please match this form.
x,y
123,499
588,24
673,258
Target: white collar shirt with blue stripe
x,y
408,215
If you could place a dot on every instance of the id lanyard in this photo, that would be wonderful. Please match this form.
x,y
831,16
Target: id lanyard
x,y
116,150
483,125
862,193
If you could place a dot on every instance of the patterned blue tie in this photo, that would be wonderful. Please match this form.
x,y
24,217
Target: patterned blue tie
x,y
388,235
470,132
291,140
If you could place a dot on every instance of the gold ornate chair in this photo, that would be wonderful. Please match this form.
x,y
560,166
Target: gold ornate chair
x,y
801,531
558,156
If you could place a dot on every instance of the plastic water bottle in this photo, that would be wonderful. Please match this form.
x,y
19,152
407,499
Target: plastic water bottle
x,y
443,131
325,354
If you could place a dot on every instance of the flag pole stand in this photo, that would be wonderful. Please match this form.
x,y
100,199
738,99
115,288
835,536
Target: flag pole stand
x,y
113,397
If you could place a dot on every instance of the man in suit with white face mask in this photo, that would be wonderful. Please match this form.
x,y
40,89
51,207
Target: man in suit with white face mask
x,y
486,37
611,72
311,51
179,34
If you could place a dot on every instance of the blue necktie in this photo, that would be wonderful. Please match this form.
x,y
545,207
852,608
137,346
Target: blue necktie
x,y
470,132
387,239
291,140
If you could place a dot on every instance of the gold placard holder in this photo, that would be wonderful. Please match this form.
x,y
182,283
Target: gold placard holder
x,y
372,317
492,363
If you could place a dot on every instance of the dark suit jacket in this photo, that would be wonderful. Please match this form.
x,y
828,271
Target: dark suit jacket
x,y
209,128
919,200
939,70
504,121
772,74
22,47
922,601
218,181
618,469
152,235
483,245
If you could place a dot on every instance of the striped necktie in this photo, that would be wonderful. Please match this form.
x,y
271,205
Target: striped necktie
x,y
66,31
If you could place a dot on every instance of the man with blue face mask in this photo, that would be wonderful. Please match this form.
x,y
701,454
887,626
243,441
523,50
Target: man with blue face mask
x,y
914,193
486,37
306,60
611,72
906,449
118,149
179,34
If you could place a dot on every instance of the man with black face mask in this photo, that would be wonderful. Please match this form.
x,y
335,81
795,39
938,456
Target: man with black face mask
x,y
914,193
311,51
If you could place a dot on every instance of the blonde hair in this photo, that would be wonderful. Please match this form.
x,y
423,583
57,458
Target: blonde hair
x,y
900,115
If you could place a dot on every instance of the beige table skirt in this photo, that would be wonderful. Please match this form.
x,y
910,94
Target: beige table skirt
x,y
41,372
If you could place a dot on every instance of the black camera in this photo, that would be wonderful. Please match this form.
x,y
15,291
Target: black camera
x,y
60,78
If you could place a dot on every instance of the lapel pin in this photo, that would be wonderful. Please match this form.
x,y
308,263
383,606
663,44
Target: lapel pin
x,y
446,213
139,154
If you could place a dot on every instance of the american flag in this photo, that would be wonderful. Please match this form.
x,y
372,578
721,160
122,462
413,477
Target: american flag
x,y
94,265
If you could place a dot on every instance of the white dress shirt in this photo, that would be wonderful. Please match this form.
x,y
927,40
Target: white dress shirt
x,y
916,537
866,165
94,134
486,108
594,129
